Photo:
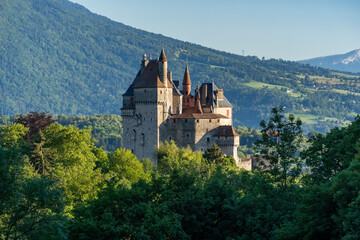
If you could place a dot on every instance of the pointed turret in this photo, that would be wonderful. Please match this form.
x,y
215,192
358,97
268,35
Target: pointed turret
x,y
186,82
162,57
163,67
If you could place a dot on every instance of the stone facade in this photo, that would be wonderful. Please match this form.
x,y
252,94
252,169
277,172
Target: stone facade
x,y
156,110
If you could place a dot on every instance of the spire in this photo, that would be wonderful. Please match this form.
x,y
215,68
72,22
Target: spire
x,y
186,80
162,57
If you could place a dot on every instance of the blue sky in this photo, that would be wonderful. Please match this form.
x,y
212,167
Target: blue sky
x,y
287,29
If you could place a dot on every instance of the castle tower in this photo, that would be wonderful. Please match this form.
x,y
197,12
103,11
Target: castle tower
x,y
147,105
163,68
186,82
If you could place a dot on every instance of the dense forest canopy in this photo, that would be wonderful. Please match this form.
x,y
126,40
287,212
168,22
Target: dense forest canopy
x,y
58,57
56,184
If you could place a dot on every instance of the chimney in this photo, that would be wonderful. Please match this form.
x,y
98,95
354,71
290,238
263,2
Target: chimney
x,y
198,108
144,63
169,76
203,94
219,95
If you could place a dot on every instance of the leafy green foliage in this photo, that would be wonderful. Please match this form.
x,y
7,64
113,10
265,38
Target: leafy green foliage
x,y
59,185
106,129
31,207
171,158
280,142
333,152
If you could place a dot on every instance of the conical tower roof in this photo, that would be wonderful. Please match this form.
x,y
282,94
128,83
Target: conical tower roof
x,y
162,57
186,80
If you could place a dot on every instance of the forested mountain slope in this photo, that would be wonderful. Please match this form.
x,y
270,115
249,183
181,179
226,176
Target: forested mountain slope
x,y
58,57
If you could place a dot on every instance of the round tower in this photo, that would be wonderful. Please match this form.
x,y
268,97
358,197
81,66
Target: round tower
x,y
163,67
186,82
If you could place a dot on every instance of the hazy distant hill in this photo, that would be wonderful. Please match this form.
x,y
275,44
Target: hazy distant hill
x,y
348,62
58,57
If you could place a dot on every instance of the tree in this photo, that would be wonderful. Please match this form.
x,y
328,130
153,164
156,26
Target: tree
x,y
124,165
214,156
279,145
75,170
42,157
35,122
31,206
170,157
332,153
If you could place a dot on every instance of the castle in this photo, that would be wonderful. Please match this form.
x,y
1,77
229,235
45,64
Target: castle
x,y
156,110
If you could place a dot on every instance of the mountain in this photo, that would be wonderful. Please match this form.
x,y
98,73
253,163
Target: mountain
x,y
58,57
348,62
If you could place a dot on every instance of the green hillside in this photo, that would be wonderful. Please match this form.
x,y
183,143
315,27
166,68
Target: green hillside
x,y
57,57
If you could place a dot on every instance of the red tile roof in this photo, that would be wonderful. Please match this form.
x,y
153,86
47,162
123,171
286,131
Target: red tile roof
x,y
186,80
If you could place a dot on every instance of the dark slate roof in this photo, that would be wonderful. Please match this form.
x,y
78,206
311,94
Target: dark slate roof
x,y
150,78
130,90
176,90
186,79
210,100
198,116
227,131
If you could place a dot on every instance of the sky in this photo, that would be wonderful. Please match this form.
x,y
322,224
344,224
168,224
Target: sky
x,y
287,29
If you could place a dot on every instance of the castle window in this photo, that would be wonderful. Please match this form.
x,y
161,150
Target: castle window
x,y
186,120
160,91
208,139
188,100
131,99
228,113
202,149
197,121
174,120
143,139
145,90
132,150
209,120
218,120
187,135
134,135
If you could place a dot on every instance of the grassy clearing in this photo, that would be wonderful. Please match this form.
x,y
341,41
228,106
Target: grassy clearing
x,y
259,85
313,119
345,75
214,66
344,92
254,84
